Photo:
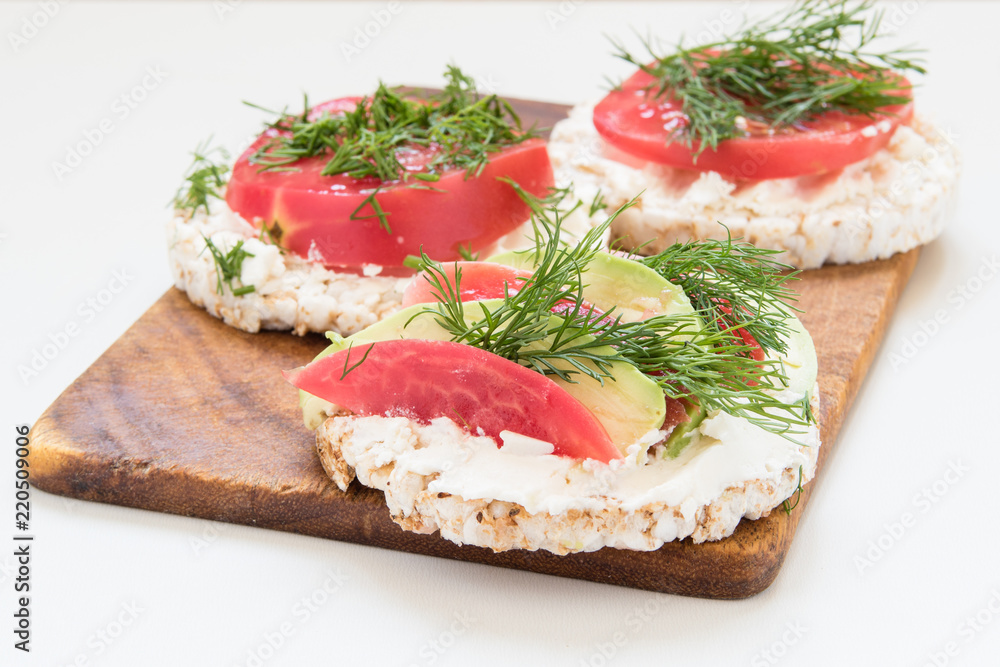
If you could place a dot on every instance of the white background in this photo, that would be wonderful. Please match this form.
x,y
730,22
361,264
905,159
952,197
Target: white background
x,y
212,594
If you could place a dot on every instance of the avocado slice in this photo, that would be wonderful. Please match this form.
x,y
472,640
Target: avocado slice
x,y
800,368
634,290
681,436
799,360
628,407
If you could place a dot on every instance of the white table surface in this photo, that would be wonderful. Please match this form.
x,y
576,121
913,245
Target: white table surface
x,y
114,586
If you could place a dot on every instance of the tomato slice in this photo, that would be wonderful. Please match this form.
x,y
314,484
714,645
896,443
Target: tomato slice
x,y
314,212
633,121
487,280
479,281
425,379
757,352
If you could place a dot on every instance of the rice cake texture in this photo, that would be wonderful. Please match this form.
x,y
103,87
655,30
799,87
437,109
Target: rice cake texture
x,y
893,201
428,491
291,292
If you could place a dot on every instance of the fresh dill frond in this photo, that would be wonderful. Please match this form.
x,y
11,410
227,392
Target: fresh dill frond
x,y
548,213
807,410
347,359
809,59
272,235
463,128
415,263
738,277
685,357
228,266
597,204
462,419
377,211
204,179
786,506
465,252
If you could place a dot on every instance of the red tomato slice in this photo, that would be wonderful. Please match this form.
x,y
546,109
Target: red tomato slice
x,y
633,121
425,379
487,280
757,353
314,211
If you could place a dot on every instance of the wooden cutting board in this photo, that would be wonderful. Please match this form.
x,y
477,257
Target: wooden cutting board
x,y
185,415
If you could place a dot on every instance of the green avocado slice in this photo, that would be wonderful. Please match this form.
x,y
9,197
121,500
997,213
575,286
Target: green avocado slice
x,y
634,290
629,406
682,434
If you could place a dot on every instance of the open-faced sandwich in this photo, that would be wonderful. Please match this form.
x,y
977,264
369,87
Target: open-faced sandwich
x,y
567,398
309,228
796,133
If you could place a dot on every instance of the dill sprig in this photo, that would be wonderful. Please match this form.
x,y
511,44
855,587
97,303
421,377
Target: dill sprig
x,y
787,506
597,204
466,253
811,58
686,358
228,266
733,275
271,235
204,179
377,211
463,127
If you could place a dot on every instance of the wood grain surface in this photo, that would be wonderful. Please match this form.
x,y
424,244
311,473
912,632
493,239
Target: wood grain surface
x,y
185,415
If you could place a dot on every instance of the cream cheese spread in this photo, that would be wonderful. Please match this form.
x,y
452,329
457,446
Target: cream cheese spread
x,y
439,477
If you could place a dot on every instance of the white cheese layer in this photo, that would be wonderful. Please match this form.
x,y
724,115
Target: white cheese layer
x,y
727,452
291,292
438,476
893,201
